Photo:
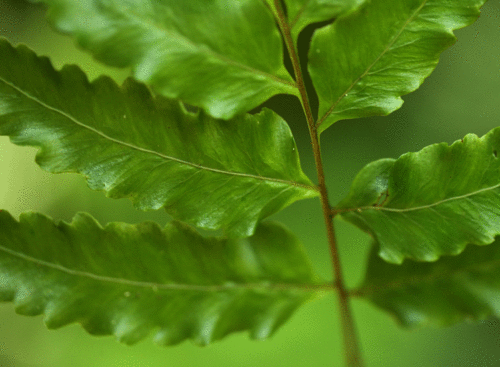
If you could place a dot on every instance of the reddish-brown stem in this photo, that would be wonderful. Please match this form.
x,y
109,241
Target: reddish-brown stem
x,y
351,345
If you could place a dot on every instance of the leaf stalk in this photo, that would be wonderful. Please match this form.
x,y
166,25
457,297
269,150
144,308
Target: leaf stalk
x,y
351,345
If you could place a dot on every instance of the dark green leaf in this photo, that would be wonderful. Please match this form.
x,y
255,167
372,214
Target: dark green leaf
x,y
451,290
361,64
223,56
129,280
208,172
430,203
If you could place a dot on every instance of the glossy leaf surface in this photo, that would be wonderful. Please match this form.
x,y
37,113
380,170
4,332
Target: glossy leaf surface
x,y
224,56
362,64
430,203
211,173
129,280
453,289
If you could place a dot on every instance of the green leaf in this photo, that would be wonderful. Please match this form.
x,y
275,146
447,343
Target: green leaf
x,y
430,203
361,64
224,56
451,290
211,173
301,13
129,280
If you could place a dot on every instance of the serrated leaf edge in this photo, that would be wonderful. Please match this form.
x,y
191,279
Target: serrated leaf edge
x,y
147,151
387,48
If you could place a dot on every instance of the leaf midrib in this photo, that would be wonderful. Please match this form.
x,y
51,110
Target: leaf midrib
x,y
306,287
422,207
141,20
386,49
148,151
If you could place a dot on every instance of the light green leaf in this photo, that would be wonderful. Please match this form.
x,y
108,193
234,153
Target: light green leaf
x,y
430,203
211,173
129,280
301,13
224,56
451,290
361,64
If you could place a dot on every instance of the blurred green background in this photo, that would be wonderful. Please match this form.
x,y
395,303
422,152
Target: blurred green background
x,y
462,96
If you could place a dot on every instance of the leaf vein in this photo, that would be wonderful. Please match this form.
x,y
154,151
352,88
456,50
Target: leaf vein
x,y
152,152
162,286
402,210
386,49
141,20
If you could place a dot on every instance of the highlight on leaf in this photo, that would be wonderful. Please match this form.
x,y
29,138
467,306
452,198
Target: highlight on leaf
x,y
435,201
131,280
130,144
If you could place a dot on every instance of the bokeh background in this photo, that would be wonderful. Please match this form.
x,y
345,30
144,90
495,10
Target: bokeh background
x,y
462,96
